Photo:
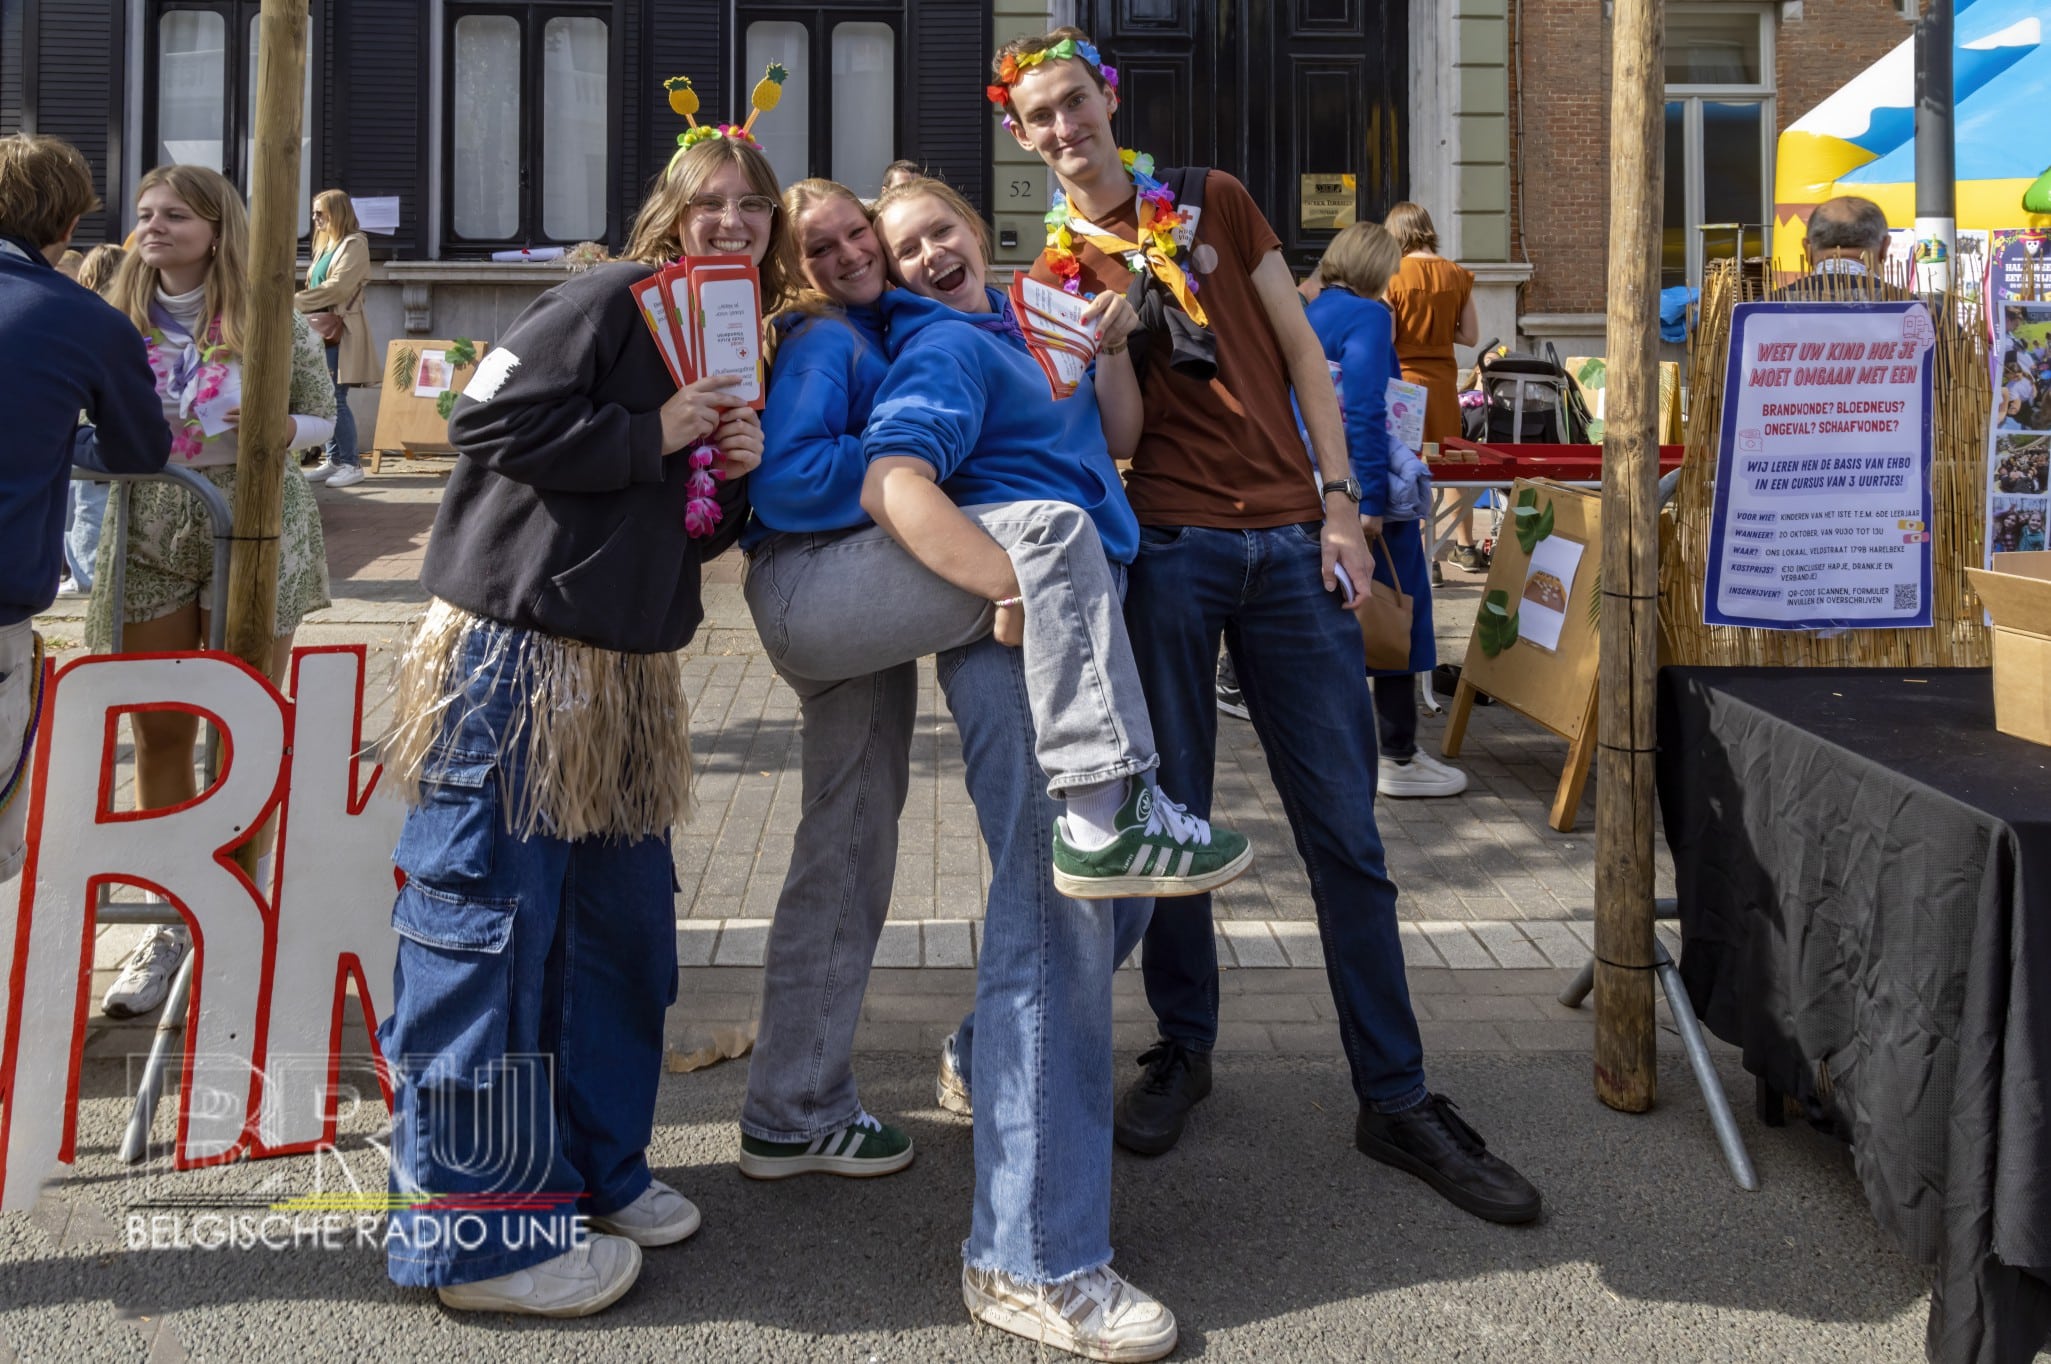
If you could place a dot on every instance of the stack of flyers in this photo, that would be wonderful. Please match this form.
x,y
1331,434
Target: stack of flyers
x,y
1055,332
705,313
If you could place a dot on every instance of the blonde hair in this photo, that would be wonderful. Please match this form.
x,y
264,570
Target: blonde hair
x,y
798,203
100,266
949,196
207,193
1411,226
341,224
45,186
1361,258
657,236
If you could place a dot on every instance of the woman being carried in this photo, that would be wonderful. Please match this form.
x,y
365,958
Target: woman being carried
x,y
845,613
542,738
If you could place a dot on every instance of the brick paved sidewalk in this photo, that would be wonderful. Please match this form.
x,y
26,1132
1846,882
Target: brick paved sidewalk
x,y
1484,882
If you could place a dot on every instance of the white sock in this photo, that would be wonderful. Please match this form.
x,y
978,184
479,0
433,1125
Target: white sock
x,y
1092,816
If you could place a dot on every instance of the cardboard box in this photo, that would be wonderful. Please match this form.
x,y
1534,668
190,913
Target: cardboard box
x,y
2017,593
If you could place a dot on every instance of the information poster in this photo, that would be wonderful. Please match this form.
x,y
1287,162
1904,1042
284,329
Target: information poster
x,y
1823,508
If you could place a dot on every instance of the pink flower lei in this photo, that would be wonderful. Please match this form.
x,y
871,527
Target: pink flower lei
x,y
189,436
701,512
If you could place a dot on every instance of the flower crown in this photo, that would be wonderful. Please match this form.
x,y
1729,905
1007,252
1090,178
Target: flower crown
x,y
1016,64
768,92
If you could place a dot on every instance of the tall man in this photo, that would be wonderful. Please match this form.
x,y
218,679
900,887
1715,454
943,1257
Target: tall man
x,y
64,352
1236,540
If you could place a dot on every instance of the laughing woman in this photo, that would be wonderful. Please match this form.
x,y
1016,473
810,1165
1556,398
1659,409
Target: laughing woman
x,y
542,741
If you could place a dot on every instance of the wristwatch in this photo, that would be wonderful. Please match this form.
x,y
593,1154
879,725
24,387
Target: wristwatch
x,y
1348,486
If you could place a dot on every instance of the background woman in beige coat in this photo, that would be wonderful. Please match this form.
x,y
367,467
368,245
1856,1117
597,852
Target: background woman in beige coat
x,y
333,303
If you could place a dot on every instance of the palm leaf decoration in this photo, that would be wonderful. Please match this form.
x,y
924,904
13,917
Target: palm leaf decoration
x,y
405,361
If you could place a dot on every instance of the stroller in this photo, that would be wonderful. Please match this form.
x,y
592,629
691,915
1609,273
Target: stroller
x,y
1529,400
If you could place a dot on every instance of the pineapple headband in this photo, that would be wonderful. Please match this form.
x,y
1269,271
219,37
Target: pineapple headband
x,y
683,99
1016,64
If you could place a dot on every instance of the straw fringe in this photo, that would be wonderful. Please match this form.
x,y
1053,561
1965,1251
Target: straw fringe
x,y
1963,399
601,740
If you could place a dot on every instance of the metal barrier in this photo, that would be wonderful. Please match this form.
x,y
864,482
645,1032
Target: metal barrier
x,y
171,1022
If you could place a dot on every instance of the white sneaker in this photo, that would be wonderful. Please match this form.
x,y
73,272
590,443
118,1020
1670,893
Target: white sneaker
x,y
319,473
146,976
950,1091
659,1217
1097,1315
345,475
1420,777
70,588
576,1283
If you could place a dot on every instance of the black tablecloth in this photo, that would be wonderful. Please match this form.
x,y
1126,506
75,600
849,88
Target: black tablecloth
x,y
1864,871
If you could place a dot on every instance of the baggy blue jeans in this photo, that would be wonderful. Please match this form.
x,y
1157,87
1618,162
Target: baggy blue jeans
x,y
1043,1002
1302,670
526,1027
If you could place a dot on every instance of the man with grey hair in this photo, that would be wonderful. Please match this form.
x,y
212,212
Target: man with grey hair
x,y
1846,243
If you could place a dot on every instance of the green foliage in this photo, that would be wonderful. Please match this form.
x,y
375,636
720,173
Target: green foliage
x,y
445,404
1496,626
462,351
1533,522
405,362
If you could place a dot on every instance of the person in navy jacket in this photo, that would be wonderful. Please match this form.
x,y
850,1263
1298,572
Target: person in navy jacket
x,y
1357,331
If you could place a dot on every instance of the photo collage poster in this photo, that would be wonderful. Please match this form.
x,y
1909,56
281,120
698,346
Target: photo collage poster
x,y
2018,481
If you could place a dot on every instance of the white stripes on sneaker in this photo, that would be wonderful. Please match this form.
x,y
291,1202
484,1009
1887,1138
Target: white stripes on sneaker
x,y
841,1143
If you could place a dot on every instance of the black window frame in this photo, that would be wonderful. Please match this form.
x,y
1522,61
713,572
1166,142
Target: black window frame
x,y
237,133
819,21
533,16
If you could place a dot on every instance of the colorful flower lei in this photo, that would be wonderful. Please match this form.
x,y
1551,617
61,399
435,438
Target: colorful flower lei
x,y
1158,219
701,513
213,372
1016,64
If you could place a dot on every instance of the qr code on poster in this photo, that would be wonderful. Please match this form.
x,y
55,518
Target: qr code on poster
x,y
1906,597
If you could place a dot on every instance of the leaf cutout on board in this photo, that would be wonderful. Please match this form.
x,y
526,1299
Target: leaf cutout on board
x,y
405,361
1495,625
445,404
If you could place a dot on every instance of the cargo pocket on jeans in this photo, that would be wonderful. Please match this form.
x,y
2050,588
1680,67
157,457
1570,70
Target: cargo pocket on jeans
x,y
456,965
447,839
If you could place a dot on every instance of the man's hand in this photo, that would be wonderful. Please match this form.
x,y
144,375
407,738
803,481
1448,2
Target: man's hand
x,y
1008,628
739,438
1344,544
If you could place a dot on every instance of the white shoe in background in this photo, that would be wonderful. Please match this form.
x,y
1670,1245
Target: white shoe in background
x,y
345,476
1421,777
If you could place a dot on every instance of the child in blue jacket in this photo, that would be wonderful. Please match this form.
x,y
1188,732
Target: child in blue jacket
x,y
1358,333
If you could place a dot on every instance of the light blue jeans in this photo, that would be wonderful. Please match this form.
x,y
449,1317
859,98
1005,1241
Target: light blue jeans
x,y
85,506
1043,997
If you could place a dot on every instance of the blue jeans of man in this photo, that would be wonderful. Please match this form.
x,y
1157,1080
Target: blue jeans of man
x,y
1302,670
527,1008
1043,1002
342,445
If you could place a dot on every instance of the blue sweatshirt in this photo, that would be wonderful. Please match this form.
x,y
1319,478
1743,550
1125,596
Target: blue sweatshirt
x,y
64,351
821,388
966,396
1359,336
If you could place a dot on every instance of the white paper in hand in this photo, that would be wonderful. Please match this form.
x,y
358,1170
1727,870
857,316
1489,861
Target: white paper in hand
x,y
1405,403
213,412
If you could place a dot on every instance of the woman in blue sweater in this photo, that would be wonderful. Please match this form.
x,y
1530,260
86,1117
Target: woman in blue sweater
x,y
845,613
1358,333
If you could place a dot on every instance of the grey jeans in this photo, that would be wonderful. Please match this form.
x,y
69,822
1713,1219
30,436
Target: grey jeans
x,y
845,619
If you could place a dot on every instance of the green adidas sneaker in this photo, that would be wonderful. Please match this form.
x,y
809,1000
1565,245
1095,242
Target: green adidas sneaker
x,y
1161,850
865,1148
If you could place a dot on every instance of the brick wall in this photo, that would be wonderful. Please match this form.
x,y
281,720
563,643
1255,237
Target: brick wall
x,y
1560,192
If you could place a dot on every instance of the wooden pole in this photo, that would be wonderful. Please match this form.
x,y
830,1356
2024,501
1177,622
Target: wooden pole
x,y
1626,1074
267,361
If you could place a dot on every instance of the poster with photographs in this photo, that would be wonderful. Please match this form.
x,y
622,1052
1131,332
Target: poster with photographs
x,y
2018,484
432,379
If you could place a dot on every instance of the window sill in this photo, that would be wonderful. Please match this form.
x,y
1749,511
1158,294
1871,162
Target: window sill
x,y
468,271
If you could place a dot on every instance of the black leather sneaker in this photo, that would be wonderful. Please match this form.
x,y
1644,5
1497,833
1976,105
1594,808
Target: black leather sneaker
x,y
1433,1142
1150,1117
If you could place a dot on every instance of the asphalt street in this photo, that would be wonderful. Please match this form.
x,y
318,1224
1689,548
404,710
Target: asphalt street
x,y
1267,1233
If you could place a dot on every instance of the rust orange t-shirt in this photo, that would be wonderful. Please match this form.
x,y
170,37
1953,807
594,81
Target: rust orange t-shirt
x,y
1223,454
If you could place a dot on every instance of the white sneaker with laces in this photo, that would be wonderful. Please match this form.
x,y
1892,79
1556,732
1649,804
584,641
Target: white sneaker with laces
x,y
345,475
1421,777
1097,1315
950,1091
659,1217
586,1279
319,473
146,976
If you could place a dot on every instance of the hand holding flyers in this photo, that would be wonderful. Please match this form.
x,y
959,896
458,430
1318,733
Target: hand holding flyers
x,y
705,313
1060,331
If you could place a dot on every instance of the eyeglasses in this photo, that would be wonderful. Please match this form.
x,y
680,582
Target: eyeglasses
x,y
716,205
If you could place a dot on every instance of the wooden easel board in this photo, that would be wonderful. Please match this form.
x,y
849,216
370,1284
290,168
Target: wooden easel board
x,y
1534,643
407,419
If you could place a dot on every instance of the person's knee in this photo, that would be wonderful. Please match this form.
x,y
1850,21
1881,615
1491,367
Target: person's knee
x,y
164,732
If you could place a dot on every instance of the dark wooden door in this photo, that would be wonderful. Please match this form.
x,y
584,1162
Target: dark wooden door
x,y
1291,96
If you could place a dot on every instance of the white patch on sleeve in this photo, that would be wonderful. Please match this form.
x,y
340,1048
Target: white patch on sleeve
x,y
492,372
